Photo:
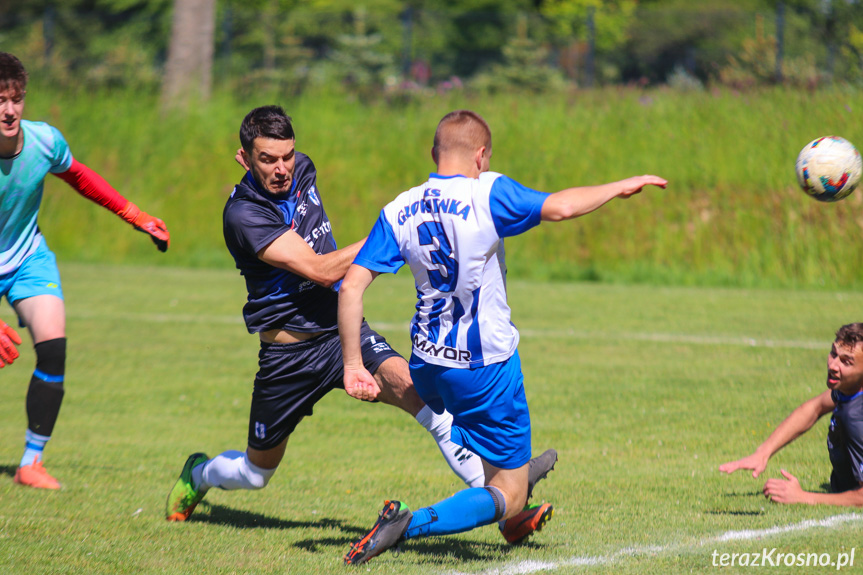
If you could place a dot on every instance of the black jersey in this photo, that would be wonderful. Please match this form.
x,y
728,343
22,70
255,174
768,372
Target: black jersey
x,y
254,218
845,441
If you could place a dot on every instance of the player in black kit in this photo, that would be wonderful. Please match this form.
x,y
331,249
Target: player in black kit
x,y
844,398
280,237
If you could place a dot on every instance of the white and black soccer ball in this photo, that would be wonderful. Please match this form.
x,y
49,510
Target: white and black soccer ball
x,y
829,168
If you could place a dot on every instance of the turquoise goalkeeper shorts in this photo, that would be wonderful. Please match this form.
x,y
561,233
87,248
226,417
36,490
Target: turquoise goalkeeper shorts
x,y
38,275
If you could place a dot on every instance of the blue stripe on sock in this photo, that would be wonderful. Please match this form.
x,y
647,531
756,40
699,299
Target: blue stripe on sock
x,y
49,378
462,512
34,444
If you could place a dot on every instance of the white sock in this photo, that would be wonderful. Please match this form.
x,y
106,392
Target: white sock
x,y
230,470
33,447
463,462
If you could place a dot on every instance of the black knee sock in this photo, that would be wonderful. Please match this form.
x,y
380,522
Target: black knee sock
x,y
46,386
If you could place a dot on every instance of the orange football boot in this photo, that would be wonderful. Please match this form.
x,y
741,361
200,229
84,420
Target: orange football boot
x,y
35,475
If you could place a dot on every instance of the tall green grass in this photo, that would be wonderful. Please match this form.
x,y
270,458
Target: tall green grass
x,y
732,214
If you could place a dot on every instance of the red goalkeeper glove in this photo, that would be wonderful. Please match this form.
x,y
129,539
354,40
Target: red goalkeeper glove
x,y
146,223
8,340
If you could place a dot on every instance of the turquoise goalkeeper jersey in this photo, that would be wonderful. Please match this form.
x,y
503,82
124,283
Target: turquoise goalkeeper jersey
x,y
21,181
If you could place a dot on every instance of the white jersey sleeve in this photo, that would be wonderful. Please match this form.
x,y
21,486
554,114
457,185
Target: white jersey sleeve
x,y
450,232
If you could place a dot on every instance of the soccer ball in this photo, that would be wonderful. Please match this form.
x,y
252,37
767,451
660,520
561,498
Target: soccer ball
x,y
829,168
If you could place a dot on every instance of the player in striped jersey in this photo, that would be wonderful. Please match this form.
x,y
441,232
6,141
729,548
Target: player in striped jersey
x,y
279,234
450,231
281,239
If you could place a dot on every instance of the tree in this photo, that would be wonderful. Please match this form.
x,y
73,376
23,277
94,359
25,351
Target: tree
x,y
524,67
188,70
612,18
89,43
362,67
694,36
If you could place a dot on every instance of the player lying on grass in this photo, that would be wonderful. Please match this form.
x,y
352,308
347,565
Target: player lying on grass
x,y
450,231
844,398
29,277
280,237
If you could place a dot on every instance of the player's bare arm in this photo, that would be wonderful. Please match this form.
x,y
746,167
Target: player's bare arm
x,y
359,383
799,422
575,202
788,491
290,252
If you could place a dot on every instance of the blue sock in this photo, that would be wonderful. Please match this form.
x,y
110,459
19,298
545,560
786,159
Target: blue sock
x,y
33,447
462,512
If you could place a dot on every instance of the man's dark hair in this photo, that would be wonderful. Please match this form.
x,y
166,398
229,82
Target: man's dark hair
x,y
13,76
265,122
850,335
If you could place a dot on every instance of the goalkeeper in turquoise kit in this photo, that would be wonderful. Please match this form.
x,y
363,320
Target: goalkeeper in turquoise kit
x,y
29,277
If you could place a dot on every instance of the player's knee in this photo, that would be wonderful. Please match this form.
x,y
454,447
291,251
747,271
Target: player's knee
x,y
256,477
45,394
396,386
393,374
51,360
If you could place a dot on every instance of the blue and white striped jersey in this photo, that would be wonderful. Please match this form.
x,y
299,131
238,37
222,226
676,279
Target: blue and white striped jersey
x,y
450,232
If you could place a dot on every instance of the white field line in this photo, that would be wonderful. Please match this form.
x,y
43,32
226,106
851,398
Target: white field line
x,y
529,567
158,317
689,339
694,339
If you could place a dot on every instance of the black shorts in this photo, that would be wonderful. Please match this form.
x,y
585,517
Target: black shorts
x,y
293,377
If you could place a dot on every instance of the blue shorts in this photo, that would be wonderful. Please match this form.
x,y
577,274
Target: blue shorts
x,y
488,406
38,275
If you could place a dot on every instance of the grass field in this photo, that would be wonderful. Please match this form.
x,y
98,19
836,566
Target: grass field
x,y
643,391
732,215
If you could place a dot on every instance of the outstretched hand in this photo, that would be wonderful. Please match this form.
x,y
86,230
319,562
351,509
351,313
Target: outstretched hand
x,y
634,185
786,490
155,228
754,462
360,384
9,338
144,222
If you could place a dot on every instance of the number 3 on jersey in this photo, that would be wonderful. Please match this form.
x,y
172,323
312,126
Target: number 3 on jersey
x,y
444,273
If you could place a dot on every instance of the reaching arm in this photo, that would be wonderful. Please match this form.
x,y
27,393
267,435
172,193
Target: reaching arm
x,y
799,422
290,252
575,202
788,490
359,383
9,338
93,187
